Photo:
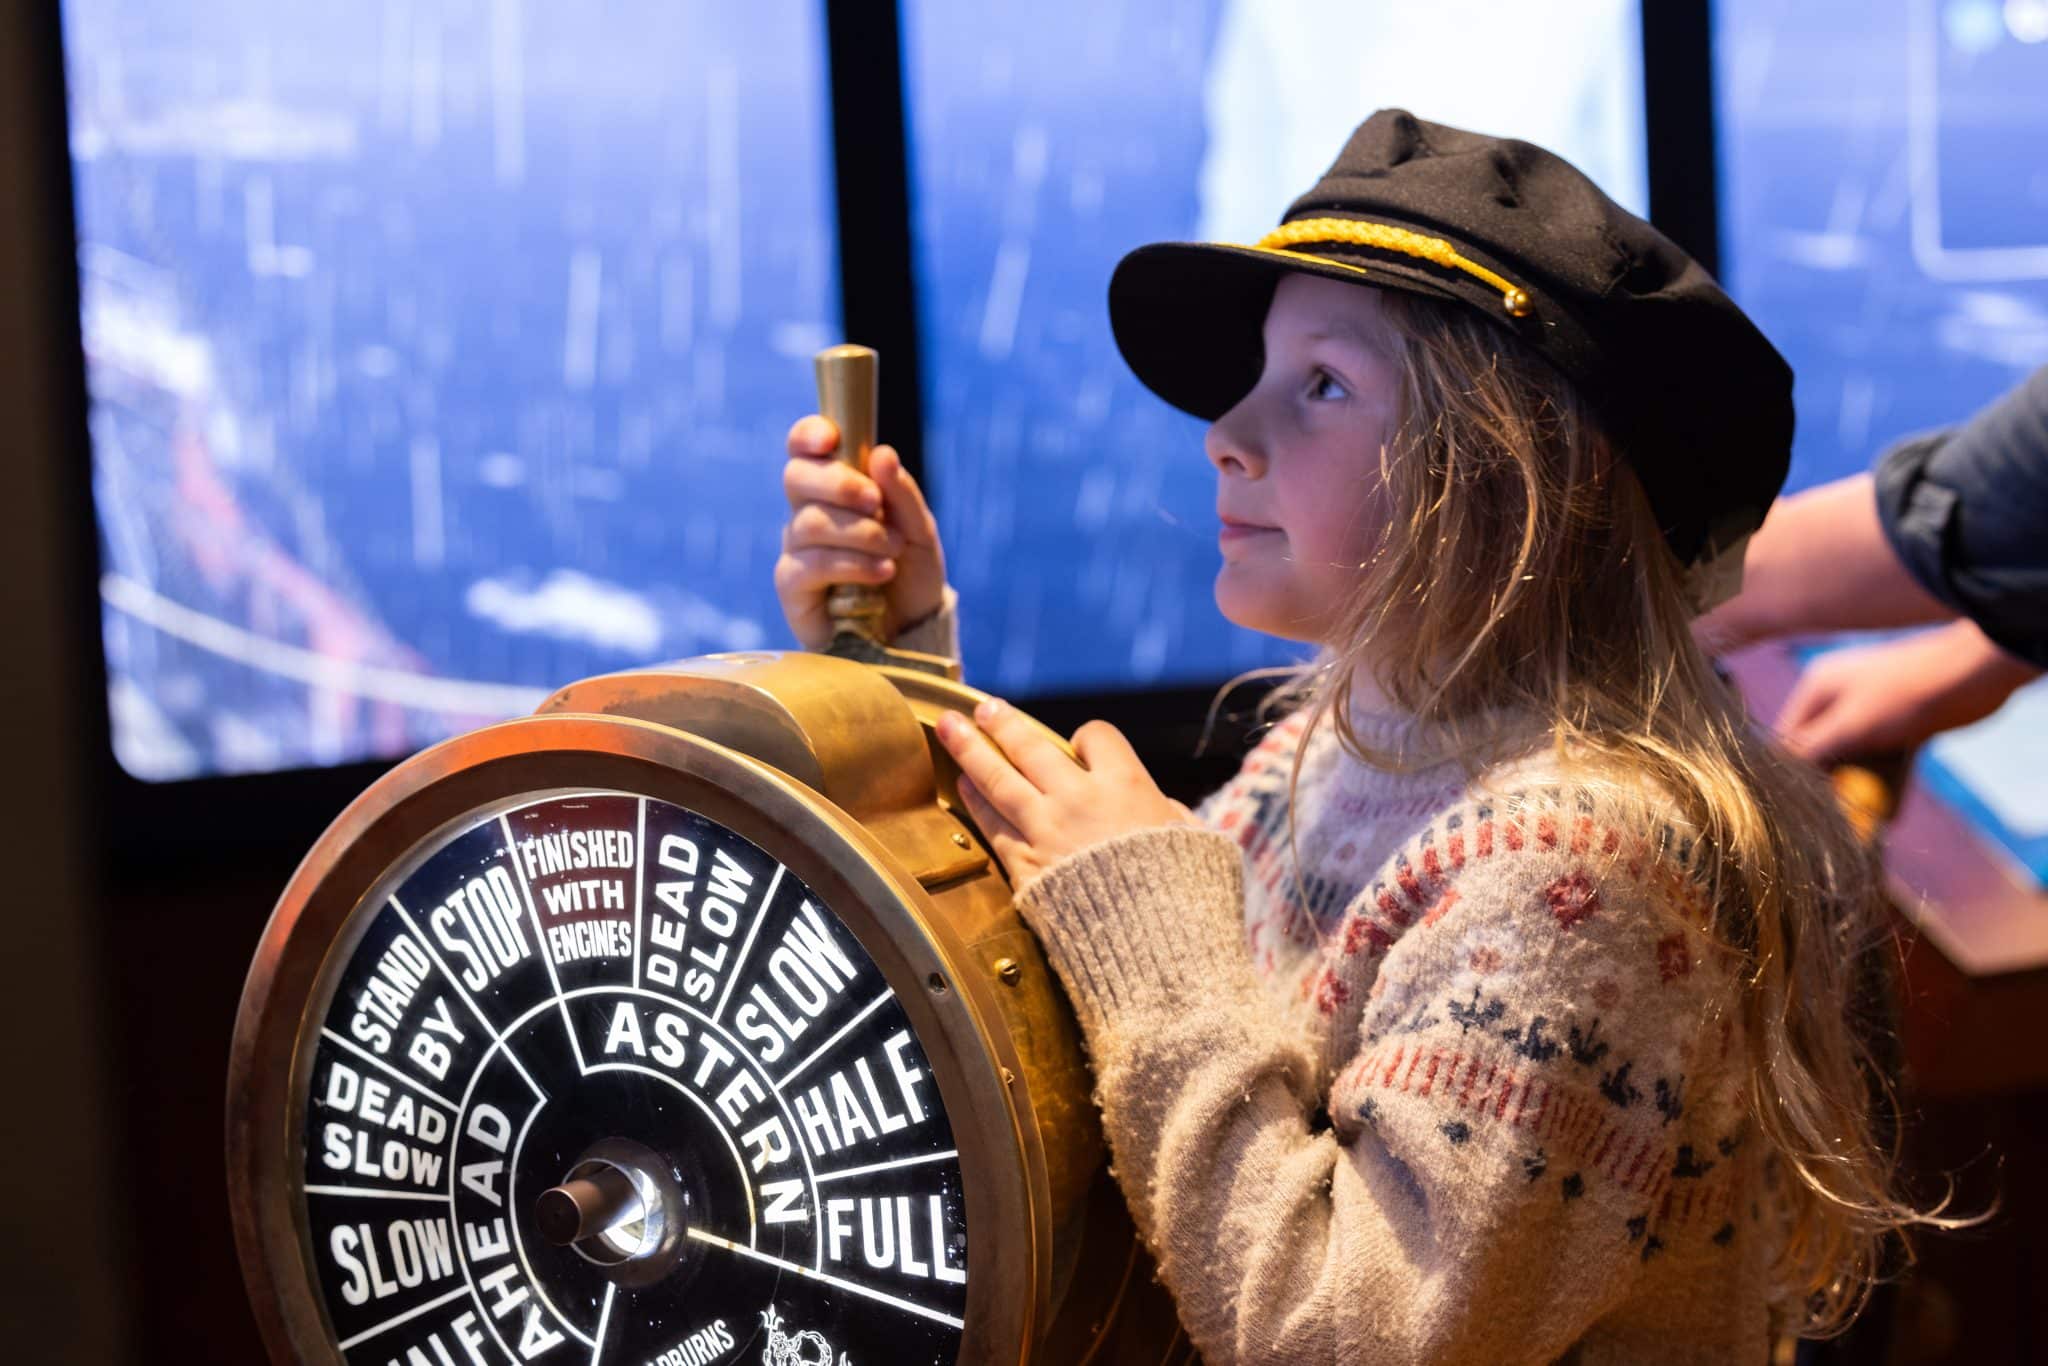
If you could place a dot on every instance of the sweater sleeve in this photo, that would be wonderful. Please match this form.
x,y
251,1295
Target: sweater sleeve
x,y
936,634
1488,1184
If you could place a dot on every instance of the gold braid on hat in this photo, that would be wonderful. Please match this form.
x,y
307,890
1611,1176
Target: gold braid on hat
x,y
1387,237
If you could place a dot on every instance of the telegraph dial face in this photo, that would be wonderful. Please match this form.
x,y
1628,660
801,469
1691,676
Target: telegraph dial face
x,y
589,1077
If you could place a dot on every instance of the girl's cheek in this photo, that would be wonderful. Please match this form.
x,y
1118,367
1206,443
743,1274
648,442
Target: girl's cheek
x,y
1375,517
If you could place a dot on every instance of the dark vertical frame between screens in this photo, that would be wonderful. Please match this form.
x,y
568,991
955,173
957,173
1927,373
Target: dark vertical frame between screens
x,y
277,814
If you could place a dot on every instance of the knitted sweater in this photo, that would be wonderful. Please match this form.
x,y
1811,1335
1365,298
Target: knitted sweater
x,y
1462,1085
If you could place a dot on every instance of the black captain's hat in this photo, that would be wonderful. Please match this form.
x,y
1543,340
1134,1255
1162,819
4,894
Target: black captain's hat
x,y
1696,399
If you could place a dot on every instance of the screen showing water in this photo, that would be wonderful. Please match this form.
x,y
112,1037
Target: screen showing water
x,y
440,353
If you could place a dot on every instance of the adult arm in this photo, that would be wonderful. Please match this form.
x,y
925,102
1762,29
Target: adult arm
x,y
1820,562
1950,523
1966,513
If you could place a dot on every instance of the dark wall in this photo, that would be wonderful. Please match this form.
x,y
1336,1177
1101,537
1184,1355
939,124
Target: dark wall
x,y
66,1249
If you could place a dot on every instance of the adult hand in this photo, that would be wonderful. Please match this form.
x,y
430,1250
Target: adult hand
x,y
849,527
1034,804
1880,699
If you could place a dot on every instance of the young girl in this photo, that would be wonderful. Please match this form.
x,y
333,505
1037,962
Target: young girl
x,y
1498,1009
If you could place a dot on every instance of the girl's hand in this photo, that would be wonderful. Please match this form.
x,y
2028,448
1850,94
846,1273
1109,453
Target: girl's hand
x,y
1033,803
849,527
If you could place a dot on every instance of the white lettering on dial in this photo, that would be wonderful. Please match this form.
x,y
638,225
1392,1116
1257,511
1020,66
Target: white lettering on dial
x,y
806,973
894,1235
377,1264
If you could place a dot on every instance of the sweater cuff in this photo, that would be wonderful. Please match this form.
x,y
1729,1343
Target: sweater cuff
x,y
937,633
1144,922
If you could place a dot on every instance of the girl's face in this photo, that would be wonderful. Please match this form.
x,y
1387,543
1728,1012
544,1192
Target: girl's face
x,y
1298,486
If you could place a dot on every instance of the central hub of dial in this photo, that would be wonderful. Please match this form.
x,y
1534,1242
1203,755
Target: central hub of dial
x,y
619,1207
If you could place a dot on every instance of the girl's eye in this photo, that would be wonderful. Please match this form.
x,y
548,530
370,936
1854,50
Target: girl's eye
x,y
1325,386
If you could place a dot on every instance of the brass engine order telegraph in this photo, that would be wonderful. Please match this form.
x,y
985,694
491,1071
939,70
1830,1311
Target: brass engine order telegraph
x,y
685,1021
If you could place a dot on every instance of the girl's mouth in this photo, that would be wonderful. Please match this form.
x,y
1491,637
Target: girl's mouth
x,y
1231,531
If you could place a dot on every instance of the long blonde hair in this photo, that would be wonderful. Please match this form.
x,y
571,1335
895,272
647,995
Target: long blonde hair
x,y
1523,575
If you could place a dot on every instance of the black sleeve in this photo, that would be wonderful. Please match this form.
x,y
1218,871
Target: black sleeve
x,y
1966,511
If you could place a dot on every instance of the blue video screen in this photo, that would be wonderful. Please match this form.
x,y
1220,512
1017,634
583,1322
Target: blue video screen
x,y
1884,191
1048,140
1884,182
440,352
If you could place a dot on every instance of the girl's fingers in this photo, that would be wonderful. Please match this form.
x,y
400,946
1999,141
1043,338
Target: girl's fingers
x,y
1027,745
828,481
1008,793
813,435
805,571
907,509
1103,749
996,828
822,526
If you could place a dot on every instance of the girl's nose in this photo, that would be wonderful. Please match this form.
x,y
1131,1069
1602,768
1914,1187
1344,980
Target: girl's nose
x,y
1232,445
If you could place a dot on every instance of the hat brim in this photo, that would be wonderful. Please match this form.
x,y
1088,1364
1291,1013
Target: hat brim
x,y
1189,317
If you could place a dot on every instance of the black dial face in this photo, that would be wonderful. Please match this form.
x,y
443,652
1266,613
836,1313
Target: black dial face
x,y
601,1081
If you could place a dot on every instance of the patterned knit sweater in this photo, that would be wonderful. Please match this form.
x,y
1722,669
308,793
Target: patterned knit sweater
x,y
1460,1085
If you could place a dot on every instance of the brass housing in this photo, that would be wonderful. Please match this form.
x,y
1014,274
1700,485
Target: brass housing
x,y
834,768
